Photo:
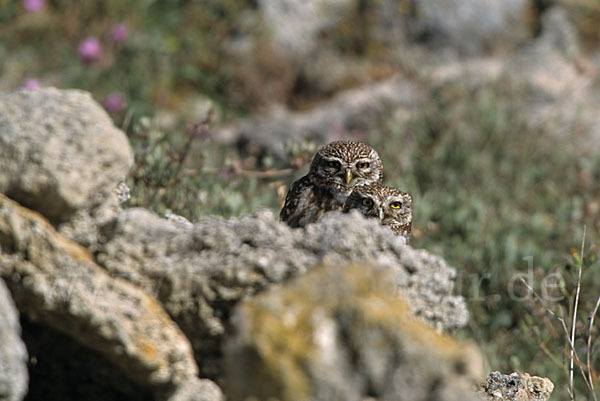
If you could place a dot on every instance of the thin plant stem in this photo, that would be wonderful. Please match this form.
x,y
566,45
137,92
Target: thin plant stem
x,y
574,320
589,350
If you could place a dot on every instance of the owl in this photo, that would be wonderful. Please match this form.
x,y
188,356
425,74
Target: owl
x,y
390,205
336,169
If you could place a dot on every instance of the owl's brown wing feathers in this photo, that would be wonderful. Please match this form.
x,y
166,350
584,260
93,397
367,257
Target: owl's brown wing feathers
x,y
306,202
296,199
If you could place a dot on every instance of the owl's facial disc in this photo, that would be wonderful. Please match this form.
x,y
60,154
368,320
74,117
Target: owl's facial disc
x,y
345,175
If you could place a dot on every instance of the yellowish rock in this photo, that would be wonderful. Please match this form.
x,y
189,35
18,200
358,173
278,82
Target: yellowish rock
x,y
342,333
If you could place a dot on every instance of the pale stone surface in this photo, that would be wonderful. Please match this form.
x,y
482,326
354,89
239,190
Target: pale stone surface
x,y
59,151
13,355
200,273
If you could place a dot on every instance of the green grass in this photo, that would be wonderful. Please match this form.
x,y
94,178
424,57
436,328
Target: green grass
x,y
489,191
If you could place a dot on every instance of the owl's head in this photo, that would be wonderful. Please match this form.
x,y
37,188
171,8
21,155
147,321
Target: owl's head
x,y
343,165
390,205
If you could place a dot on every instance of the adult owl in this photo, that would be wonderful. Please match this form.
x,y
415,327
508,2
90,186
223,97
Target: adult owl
x,y
390,205
336,169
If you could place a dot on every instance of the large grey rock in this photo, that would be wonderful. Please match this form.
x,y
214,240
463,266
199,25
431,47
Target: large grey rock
x,y
341,333
200,273
57,283
13,355
59,152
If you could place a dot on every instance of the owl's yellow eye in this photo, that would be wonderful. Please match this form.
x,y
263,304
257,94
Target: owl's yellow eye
x,y
396,205
362,165
367,202
334,164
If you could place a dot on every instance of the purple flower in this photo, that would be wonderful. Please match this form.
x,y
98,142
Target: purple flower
x,y
34,6
114,102
90,50
31,84
119,33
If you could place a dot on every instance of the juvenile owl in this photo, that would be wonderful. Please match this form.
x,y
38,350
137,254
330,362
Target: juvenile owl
x,y
334,172
390,205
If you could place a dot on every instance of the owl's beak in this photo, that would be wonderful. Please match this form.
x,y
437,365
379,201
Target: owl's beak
x,y
348,176
381,214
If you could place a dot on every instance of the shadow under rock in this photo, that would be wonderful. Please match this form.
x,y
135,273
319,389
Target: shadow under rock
x,y
61,369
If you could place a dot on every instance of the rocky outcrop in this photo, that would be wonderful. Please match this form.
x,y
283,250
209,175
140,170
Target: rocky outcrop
x,y
57,282
62,157
342,333
199,273
13,355
128,305
515,387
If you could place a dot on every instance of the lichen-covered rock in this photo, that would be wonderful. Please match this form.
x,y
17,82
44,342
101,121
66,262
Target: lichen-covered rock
x,y
59,152
341,333
13,355
515,387
56,282
200,273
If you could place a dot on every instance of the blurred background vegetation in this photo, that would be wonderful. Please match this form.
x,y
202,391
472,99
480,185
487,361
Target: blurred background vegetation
x,y
489,188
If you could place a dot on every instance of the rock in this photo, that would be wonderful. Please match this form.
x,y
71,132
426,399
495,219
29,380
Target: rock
x,y
63,369
13,355
515,387
57,283
59,152
296,25
341,333
199,274
179,220
83,226
470,26
198,390
353,110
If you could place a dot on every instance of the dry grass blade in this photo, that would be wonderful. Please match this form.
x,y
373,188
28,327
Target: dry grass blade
x,y
589,350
